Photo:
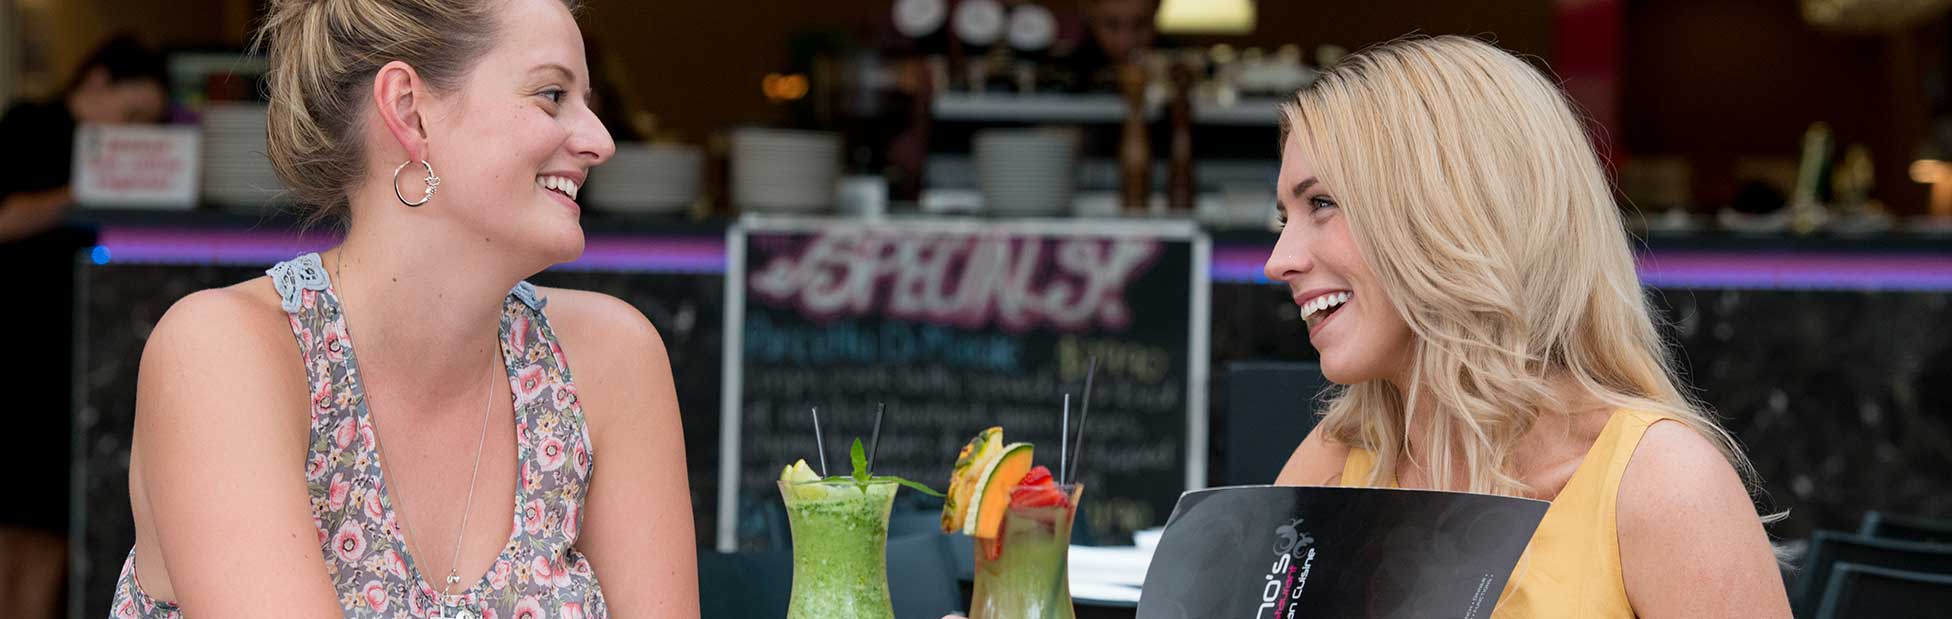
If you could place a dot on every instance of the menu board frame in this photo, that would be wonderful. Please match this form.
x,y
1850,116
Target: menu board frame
x,y
1187,234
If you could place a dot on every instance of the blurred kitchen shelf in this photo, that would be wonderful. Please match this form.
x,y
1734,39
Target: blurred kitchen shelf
x,y
1030,108
1090,109
958,171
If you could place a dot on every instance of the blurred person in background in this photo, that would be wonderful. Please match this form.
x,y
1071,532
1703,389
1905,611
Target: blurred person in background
x,y
120,82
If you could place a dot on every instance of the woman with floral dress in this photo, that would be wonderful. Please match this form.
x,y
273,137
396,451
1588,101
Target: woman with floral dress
x,y
449,463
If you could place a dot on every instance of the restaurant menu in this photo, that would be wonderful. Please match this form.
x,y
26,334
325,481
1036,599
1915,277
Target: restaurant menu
x,y
1281,552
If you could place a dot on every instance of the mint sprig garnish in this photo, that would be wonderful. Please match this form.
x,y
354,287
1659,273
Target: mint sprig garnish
x,y
862,476
860,458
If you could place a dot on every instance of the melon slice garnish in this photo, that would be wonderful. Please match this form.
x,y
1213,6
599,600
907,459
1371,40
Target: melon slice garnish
x,y
970,464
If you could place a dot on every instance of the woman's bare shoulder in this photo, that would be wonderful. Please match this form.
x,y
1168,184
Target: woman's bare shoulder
x,y
1316,462
247,313
221,429
1691,542
595,316
236,340
615,352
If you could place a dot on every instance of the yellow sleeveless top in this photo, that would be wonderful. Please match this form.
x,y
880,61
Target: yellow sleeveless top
x,y
1572,566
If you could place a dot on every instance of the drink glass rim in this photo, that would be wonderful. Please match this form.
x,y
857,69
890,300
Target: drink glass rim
x,y
1069,489
835,481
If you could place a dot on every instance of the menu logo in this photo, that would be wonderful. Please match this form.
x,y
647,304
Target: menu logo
x,y
960,278
1294,552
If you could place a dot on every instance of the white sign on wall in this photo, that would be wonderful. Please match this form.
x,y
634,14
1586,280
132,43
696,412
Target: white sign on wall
x,y
136,166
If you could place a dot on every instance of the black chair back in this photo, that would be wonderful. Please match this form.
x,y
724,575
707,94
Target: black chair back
x,y
1270,408
1858,591
922,576
1907,528
904,523
1828,548
745,585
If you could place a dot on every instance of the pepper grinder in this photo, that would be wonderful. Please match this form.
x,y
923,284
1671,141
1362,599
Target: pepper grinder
x,y
1135,148
1179,174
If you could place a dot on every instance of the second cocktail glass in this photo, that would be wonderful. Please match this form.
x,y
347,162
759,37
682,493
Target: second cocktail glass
x,y
1024,573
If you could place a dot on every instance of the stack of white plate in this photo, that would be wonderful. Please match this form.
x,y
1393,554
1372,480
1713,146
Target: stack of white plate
x,y
1026,172
237,174
647,178
783,170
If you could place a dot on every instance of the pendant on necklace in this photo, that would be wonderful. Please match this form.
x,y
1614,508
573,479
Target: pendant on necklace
x,y
452,605
450,611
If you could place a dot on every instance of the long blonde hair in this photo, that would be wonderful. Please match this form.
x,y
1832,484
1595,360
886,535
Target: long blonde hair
x,y
1476,197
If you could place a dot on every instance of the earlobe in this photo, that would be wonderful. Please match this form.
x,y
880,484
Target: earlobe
x,y
398,94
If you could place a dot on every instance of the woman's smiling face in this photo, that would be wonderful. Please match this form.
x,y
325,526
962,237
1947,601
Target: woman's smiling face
x,y
1351,322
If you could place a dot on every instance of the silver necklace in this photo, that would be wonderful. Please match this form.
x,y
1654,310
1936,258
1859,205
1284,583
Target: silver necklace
x,y
450,601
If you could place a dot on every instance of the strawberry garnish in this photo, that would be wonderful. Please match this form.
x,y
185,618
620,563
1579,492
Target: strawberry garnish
x,y
1037,497
1037,489
1038,476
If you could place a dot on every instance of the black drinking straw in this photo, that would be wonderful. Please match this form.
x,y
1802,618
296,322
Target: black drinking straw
x,y
1064,438
819,443
1084,413
874,441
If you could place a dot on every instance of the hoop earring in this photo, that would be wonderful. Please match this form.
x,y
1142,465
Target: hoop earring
x,y
433,182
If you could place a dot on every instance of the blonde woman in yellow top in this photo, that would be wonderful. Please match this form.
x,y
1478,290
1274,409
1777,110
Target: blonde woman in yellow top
x,y
1463,270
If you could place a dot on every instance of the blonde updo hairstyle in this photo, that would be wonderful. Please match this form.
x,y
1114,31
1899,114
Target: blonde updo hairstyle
x,y
323,56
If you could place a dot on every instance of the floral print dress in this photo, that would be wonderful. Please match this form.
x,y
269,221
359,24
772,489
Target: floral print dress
x,y
539,573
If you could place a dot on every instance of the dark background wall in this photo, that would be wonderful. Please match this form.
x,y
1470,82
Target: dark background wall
x,y
1717,80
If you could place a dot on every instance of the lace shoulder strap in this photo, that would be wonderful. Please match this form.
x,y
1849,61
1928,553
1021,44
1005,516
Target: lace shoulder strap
x,y
525,292
296,275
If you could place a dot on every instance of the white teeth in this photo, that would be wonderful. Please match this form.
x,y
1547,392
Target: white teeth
x,y
1319,304
558,183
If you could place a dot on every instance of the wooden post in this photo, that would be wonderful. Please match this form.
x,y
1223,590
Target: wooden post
x,y
9,51
1135,147
1180,184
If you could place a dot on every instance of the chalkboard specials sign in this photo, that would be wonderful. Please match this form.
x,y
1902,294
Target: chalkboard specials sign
x,y
957,325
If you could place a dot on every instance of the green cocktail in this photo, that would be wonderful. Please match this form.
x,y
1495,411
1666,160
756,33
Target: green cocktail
x,y
840,540
1023,574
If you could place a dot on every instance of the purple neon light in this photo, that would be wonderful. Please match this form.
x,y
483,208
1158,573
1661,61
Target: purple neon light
x,y
1699,269
600,253
1706,269
1230,264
